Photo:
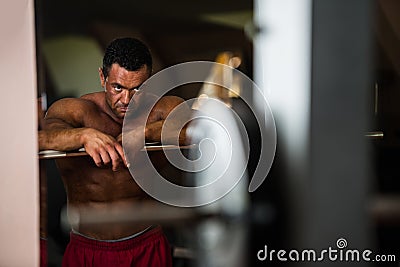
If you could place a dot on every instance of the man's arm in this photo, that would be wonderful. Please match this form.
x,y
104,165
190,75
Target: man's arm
x,y
174,126
158,118
65,130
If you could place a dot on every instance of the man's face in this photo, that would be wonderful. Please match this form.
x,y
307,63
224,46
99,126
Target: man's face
x,y
121,85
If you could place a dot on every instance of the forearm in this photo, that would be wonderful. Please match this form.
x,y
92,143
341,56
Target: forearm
x,y
61,139
170,135
153,131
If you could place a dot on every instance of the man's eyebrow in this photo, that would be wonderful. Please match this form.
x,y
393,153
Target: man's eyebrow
x,y
124,87
118,84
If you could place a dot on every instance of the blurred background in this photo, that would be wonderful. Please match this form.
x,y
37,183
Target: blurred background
x,y
330,70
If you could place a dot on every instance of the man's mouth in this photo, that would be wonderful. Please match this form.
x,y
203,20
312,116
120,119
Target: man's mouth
x,y
123,109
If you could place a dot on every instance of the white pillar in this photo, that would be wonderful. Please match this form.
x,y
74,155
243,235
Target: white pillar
x,y
282,55
19,190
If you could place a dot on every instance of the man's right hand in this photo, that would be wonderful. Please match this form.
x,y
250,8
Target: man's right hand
x,y
103,148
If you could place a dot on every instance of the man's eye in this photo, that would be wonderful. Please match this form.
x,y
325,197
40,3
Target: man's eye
x,y
117,88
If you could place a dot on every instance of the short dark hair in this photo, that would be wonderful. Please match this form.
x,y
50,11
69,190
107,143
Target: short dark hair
x,y
129,53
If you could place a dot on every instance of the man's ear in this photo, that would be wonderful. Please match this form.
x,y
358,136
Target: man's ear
x,y
102,79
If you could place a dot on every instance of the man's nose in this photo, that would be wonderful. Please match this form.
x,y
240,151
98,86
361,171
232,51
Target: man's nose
x,y
125,97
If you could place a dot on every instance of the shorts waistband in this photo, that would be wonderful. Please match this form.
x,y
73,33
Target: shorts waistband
x,y
114,240
122,244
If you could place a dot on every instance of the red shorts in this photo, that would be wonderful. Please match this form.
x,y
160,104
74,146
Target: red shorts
x,y
43,252
150,249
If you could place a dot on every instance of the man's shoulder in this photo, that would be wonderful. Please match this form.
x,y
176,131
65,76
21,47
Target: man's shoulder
x,y
166,104
76,111
169,101
94,97
73,103
81,105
